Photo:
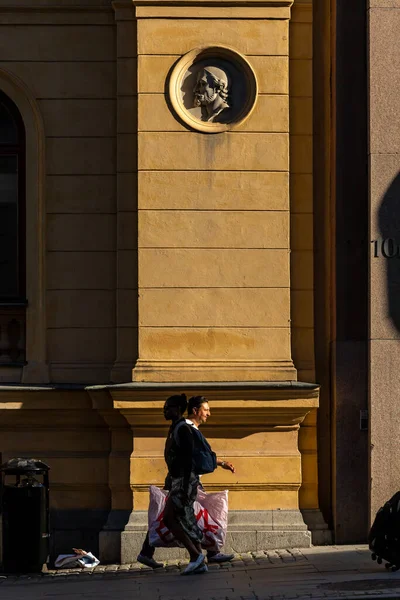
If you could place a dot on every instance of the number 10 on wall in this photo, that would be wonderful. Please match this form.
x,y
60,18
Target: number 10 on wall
x,y
386,248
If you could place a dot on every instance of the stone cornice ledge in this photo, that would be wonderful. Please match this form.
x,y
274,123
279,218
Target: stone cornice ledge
x,y
250,405
206,9
144,394
55,5
211,385
261,3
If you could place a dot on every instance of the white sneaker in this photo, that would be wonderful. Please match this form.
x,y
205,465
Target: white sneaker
x,y
201,569
192,566
219,558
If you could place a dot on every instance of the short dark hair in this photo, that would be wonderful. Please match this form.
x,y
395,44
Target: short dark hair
x,y
196,402
178,400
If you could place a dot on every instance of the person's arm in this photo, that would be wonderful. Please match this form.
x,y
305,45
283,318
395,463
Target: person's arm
x,y
186,445
225,464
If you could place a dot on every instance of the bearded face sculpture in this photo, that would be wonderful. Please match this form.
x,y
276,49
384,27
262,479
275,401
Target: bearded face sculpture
x,y
211,92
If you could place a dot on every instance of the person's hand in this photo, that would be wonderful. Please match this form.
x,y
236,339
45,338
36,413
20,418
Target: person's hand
x,y
228,466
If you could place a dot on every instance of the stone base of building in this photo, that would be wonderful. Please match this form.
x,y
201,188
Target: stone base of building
x,y
248,531
321,535
75,529
110,536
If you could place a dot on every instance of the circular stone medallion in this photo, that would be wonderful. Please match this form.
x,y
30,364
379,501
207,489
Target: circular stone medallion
x,y
213,89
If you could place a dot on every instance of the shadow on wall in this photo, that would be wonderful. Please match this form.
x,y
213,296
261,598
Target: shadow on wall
x,y
388,246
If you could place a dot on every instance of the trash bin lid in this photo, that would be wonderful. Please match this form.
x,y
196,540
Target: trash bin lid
x,y
14,466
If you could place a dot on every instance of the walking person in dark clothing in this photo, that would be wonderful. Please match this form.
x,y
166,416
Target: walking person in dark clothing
x,y
199,411
179,514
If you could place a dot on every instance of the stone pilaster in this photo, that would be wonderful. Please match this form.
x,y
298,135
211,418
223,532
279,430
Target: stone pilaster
x,y
213,256
126,182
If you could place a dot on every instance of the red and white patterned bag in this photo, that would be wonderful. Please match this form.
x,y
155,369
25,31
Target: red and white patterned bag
x,y
211,511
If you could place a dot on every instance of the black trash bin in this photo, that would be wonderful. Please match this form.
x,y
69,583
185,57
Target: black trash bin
x,y
25,515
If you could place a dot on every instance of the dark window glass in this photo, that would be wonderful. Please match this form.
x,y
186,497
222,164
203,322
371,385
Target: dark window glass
x,y
8,126
9,267
12,203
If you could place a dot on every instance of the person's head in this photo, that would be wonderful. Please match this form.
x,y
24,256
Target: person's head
x,y
211,83
174,407
198,409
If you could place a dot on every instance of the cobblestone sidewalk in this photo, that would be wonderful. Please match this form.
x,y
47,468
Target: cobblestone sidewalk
x,y
319,573
240,562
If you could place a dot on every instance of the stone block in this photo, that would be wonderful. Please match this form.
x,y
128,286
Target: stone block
x,y
58,43
301,154
110,547
126,76
245,540
80,232
301,269
302,12
302,308
301,229
384,81
80,270
384,3
126,152
222,342
80,156
272,73
67,79
303,344
307,375
384,417
127,200
80,345
80,194
384,182
217,229
81,118
126,39
385,282
10,374
238,190
80,308
300,40
355,478
127,346
300,77
283,539
231,151
301,192
234,268
127,228
251,37
127,307
131,544
308,495
127,269
237,307
270,115
301,116
126,114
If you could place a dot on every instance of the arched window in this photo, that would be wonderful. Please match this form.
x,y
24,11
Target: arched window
x,y
12,233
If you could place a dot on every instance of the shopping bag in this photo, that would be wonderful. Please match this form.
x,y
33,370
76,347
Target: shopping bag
x,y
211,512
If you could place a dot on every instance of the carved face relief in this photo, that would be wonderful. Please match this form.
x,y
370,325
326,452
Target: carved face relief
x,y
212,89
211,92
